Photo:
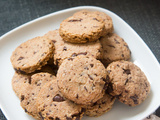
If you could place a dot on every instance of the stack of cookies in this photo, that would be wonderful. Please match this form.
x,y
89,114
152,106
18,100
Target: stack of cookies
x,y
77,70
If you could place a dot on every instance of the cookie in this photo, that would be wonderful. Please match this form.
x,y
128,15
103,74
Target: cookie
x,y
106,19
81,29
82,79
29,92
65,50
32,55
53,106
100,107
114,48
18,79
127,82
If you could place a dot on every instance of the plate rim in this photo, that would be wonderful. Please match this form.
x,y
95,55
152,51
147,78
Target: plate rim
x,y
72,9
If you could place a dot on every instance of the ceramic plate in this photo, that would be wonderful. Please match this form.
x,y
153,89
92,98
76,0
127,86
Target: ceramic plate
x,y
141,55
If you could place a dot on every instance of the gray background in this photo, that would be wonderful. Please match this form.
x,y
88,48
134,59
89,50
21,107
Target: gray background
x,y
142,15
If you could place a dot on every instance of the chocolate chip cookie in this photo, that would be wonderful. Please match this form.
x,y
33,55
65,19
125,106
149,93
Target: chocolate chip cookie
x,y
127,82
82,79
65,50
106,19
53,106
114,48
82,29
32,55
29,92
100,107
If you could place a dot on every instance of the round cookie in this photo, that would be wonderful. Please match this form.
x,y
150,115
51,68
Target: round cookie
x,y
19,79
82,79
127,82
32,55
81,29
53,106
114,48
65,50
106,19
101,106
29,92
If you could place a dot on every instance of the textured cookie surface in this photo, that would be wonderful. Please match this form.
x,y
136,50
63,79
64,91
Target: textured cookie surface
x,y
29,93
127,82
82,29
53,106
101,106
106,19
19,79
114,48
65,50
32,55
82,79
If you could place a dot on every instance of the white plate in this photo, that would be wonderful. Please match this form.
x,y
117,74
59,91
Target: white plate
x,y
141,55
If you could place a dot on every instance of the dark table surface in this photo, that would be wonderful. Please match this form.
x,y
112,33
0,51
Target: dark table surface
x,y
142,15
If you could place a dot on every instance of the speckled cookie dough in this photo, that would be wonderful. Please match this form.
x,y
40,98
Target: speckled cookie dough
x,y
32,55
100,107
53,106
114,48
82,29
29,92
82,79
127,82
65,50
106,19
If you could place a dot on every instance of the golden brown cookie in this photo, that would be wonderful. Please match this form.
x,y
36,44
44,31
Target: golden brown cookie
x,y
65,50
127,82
32,55
53,106
114,48
29,92
81,29
82,79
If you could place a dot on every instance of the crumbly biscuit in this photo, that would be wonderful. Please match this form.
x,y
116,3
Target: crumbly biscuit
x,y
53,106
100,107
29,92
127,82
65,50
114,48
32,55
82,79
81,29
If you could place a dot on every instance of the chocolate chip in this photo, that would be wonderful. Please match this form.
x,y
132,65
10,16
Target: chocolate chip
x,y
64,48
77,116
40,114
22,98
110,88
20,58
75,20
68,118
50,118
116,41
82,53
96,19
134,98
126,82
85,88
58,98
86,68
57,118
90,77
25,110
54,41
43,54
127,71
29,79
77,96
19,71
91,65
111,46
108,71
34,52
122,55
